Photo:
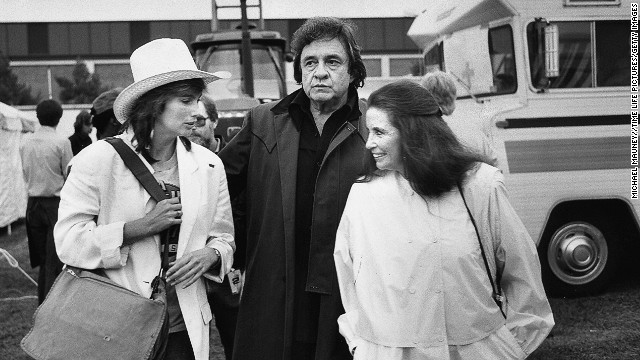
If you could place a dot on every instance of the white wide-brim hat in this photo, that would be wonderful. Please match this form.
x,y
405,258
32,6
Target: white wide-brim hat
x,y
158,63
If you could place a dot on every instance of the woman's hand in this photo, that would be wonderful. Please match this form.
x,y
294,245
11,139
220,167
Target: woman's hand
x,y
190,267
165,214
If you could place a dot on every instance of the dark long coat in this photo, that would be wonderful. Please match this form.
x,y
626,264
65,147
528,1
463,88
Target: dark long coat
x,y
262,159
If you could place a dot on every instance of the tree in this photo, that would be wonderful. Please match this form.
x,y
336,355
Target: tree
x,y
83,88
11,91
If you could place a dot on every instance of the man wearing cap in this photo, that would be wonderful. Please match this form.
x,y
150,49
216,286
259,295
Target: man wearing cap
x,y
45,156
297,159
104,120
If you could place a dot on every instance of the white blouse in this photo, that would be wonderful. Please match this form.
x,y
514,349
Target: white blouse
x,y
413,282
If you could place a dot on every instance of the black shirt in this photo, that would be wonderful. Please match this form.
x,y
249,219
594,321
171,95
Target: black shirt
x,y
79,141
312,149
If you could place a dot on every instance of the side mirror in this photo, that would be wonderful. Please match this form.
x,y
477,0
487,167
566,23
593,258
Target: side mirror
x,y
288,56
551,51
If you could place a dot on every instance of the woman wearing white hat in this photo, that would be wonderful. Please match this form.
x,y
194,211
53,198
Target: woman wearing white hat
x,y
107,220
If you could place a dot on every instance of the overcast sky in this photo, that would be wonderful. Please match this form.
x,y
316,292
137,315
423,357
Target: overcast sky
x,y
126,10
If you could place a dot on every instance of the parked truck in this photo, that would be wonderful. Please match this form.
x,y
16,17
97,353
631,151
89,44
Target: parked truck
x,y
549,83
255,58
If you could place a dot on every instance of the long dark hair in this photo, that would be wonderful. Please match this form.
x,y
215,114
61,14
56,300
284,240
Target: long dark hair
x,y
150,105
328,28
434,160
83,118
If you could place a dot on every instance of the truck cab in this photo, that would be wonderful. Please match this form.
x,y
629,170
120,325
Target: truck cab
x,y
548,81
222,50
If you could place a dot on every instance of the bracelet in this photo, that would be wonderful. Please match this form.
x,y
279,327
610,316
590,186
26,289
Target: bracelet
x,y
219,256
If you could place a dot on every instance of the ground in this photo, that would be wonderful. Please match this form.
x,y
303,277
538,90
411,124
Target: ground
x,y
605,326
18,300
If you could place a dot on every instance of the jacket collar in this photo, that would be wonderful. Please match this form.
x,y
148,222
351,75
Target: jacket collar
x,y
299,98
190,192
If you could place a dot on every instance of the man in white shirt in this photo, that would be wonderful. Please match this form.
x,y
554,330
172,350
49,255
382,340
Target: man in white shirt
x,y
45,156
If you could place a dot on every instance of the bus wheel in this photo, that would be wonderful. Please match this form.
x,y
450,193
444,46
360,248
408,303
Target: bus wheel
x,y
578,259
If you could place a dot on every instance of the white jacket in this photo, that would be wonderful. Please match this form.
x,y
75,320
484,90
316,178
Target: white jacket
x,y
412,280
101,194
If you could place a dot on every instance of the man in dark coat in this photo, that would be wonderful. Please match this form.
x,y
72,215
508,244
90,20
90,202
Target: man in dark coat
x,y
297,159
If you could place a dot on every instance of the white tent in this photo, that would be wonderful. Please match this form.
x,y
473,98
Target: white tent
x,y
13,194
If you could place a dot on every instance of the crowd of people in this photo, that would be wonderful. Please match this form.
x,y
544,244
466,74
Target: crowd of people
x,y
329,227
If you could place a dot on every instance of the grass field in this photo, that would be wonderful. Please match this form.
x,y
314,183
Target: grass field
x,y
16,315
606,326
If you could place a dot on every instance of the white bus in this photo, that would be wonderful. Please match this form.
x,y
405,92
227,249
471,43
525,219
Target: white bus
x,y
549,82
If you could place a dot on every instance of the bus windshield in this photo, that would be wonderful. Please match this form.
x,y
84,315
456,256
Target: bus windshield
x,y
481,60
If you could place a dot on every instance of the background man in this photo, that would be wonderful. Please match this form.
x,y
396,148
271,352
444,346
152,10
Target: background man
x,y
297,159
104,120
45,156
203,133
224,303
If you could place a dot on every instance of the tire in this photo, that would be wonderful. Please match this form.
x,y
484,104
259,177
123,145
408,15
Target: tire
x,y
579,257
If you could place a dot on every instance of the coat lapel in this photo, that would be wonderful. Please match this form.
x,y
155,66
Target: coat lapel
x,y
287,146
190,194
347,129
288,143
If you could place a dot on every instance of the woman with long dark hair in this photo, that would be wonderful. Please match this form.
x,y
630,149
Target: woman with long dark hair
x,y
432,260
82,128
107,220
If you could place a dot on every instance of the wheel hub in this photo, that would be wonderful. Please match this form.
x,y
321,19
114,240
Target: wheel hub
x,y
577,253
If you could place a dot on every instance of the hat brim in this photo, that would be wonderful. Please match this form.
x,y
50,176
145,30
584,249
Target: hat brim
x,y
124,102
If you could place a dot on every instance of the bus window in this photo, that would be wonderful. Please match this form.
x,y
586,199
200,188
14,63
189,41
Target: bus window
x,y
575,56
433,59
613,53
502,60
481,59
610,66
478,69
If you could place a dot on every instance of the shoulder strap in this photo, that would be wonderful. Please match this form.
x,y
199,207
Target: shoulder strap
x,y
144,176
138,168
497,291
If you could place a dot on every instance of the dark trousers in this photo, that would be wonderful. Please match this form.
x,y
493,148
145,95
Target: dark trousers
x,y
303,351
42,215
179,347
224,306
